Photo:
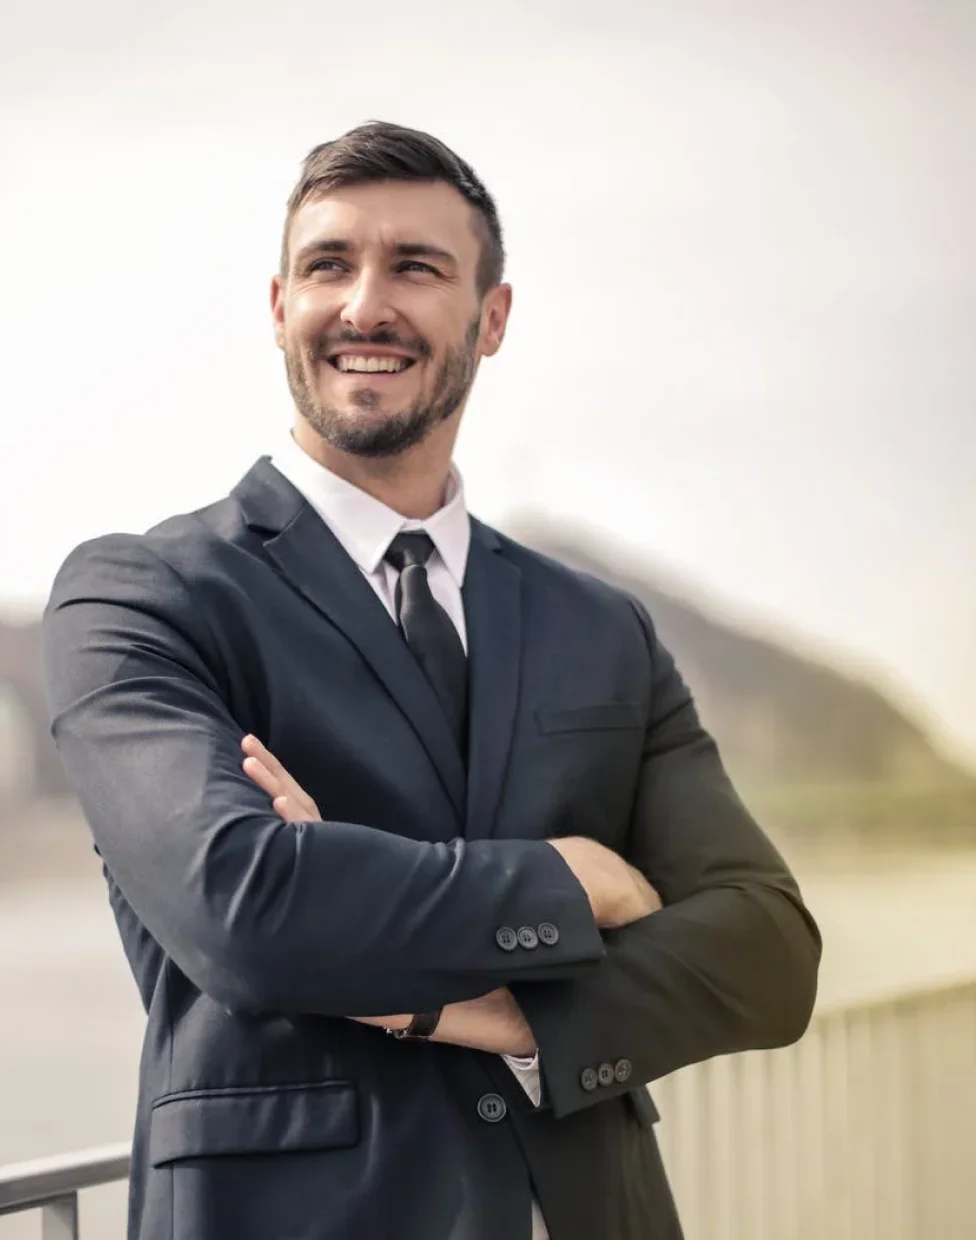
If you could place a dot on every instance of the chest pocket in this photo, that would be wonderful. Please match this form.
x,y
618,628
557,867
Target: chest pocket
x,y
575,769
599,717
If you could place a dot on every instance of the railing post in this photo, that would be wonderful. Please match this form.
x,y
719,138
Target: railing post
x,y
59,1218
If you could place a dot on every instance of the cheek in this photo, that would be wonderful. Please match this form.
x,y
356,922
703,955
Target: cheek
x,y
307,318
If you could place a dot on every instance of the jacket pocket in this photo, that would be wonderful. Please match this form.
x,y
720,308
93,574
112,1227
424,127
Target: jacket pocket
x,y
253,1120
599,717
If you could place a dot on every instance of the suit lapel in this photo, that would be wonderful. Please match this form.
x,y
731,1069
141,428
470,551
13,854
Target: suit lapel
x,y
493,614
314,562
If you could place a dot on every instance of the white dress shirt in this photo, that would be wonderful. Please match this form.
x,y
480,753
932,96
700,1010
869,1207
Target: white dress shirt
x,y
365,527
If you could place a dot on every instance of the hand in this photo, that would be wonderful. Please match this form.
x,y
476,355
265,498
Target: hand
x,y
492,1023
289,800
618,893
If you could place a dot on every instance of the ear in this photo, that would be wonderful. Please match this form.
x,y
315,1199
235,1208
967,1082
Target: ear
x,y
495,310
278,310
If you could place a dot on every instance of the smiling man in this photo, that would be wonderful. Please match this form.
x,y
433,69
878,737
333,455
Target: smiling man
x,y
376,378
421,859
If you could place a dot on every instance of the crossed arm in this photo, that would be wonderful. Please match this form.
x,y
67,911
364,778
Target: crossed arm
x,y
232,892
494,1022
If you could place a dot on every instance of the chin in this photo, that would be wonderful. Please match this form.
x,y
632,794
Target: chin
x,y
370,433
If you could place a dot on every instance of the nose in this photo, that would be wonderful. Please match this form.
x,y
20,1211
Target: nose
x,y
367,305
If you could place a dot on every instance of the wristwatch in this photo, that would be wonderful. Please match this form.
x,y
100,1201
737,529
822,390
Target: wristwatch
x,y
420,1028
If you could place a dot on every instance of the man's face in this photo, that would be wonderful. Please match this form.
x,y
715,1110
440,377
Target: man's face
x,y
380,316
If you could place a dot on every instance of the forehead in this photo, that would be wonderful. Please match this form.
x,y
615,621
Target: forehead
x,y
385,214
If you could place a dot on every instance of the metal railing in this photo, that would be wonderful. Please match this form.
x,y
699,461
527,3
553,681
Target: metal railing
x,y
52,1185
865,1130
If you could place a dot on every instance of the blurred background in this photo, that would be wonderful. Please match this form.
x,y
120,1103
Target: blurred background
x,y
740,379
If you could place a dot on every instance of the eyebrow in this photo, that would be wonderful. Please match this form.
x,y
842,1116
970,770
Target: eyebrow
x,y
421,249
404,249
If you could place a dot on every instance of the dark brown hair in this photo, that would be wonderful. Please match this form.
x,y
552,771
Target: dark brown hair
x,y
379,151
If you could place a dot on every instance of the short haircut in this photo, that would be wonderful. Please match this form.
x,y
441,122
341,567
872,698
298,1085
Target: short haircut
x,y
379,151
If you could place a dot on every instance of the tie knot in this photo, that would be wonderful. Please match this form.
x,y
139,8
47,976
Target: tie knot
x,y
408,550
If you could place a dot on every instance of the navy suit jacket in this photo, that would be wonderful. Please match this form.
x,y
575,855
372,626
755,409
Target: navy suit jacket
x,y
263,1114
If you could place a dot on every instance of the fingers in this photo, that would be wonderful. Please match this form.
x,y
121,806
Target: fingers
x,y
271,777
255,769
284,806
649,897
254,749
650,894
287,810
281,803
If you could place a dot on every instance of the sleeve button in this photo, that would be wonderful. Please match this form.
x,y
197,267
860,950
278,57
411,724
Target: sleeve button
x,y
605,1074
528,938
623,1070
506,938
548,934
588,1079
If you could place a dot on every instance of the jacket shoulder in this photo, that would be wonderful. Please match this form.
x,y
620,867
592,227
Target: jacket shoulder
x,y
574,585
122,566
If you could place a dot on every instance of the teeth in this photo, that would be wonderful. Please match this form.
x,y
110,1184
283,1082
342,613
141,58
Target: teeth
x,y
368,365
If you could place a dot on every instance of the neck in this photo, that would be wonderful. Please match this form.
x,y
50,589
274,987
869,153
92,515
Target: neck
x,y
412,484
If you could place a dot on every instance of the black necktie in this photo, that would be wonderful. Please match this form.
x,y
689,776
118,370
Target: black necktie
x,y
429,631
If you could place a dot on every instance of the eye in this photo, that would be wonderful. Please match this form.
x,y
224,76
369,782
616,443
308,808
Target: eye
x,y
413,264
326,264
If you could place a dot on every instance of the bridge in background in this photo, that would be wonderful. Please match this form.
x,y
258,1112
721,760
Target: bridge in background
x,y
865,1130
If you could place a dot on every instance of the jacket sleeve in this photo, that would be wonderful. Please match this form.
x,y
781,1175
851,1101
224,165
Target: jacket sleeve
x,y
333,918
729,964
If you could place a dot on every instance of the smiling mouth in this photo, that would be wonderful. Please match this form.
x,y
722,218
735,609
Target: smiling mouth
x,y
353,364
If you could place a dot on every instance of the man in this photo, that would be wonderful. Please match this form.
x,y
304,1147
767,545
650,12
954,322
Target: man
x,y
357,765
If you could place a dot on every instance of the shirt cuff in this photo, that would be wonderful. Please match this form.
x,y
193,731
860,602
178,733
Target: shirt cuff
x,y
526,1070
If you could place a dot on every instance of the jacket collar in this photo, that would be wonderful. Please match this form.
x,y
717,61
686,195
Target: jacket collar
x,y
313,560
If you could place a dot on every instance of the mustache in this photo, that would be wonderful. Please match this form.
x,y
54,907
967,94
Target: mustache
x,y
416,346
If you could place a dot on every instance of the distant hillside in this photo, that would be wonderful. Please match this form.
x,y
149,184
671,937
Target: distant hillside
x,y
36,767
780,719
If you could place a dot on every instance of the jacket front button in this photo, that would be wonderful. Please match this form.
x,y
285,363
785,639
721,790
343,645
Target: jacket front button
x,y
528,938
492,1108
589,1080
548,934
604,1074
507,939
623,1070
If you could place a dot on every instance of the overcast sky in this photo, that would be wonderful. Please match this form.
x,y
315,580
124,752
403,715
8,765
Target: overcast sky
x,y
742,245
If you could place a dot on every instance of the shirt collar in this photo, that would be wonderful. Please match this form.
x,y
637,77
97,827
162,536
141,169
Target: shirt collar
x,y
364,525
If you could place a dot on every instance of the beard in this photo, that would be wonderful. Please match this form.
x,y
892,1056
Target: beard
x,y
376,435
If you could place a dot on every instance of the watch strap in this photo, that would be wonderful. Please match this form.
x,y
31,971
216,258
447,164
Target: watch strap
x,y
420,1028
